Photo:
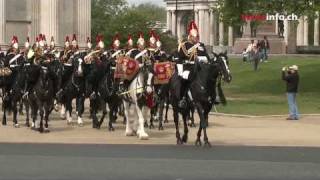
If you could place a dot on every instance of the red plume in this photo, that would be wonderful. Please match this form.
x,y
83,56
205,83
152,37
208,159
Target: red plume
x,y
74,37
67,38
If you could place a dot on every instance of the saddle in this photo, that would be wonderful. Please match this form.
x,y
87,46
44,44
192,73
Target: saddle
x,y
163,72
126,68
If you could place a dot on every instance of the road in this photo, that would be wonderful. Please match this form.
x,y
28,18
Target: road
x,y
90,161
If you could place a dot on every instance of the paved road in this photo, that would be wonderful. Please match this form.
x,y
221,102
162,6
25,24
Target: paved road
x,y
63,161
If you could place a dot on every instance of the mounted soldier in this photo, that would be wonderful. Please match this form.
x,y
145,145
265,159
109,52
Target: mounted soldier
x,y
94,61
188,52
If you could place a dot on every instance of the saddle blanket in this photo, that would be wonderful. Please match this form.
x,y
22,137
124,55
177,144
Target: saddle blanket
x,y
126,68
163,72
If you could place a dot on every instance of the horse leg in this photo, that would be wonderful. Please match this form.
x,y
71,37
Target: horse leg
x,y
69,112
166,115
129,123
205,136
160,114
191,117
152,114
141,132
4,117
21,108
112,118
202,120
41,118
185,126
176,123
63,112
15,113
80,109
26,104
47,110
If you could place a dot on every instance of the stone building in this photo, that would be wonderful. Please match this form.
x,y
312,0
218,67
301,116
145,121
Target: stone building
x,y
212,31
56,18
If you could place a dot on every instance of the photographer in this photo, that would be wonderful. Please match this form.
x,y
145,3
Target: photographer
x,y
291,76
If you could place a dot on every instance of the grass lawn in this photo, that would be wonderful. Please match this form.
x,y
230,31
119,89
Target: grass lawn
x,y
263,92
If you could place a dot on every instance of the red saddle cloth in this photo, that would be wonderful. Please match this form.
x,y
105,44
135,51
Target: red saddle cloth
x,y
126,68
163,72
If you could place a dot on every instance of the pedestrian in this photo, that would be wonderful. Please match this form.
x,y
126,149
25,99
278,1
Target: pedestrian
x,y
291,76
249,50
265,47
255,57
245,55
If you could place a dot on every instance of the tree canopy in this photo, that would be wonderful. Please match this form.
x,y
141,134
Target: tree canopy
x,y
116,16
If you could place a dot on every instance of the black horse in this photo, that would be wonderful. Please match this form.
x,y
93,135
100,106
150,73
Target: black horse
x,y
73,87
13,86
202,94
43,96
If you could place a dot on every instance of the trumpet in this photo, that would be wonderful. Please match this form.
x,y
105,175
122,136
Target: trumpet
x,y
88,59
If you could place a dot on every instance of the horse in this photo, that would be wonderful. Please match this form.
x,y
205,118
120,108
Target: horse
x,y
136,95
106,93
42,97
13,87
74,87
201,94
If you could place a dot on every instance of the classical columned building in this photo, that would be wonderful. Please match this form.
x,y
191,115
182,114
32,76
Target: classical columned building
x,y
212,30
180,14
57,18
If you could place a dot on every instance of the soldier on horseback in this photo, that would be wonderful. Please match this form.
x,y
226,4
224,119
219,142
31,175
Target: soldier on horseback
x,y
95,72
188,52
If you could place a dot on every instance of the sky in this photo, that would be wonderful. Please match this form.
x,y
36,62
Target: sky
x,y
158,2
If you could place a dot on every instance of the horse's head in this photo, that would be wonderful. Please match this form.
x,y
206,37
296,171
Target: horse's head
x,y
223,63
78,65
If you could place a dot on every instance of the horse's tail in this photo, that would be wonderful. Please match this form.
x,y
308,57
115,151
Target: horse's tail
x,y
223,99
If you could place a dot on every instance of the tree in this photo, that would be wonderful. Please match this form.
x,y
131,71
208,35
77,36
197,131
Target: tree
x,y
116,17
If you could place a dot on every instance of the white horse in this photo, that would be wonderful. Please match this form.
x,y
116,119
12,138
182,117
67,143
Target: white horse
x,y
135,95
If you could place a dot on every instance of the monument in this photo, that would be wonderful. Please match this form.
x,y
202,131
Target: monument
x,y
56,18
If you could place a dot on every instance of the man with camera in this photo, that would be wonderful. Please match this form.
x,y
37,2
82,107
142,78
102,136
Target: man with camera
x,y
291,76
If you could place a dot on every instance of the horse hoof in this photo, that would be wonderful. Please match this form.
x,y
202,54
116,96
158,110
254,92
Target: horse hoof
x,y
198,143
151,126
161,128
111,129
179,142
207,144
192,125
184,138
21,113
166,121
41,130
27,124
46,130
4,123
33,128
80,124
130,134
69,122
16,125
146,125
143,136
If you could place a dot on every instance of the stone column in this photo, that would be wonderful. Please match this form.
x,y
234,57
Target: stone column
x,y
316,30
3,22
221,30
230,36
83,21
179,33
201,25
49,18
206,28
169,19
196,16
300,32
286,30
305,31
35,20
173,16
247,29
211,28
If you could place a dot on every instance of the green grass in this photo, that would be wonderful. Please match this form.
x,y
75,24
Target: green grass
x,y
263,92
